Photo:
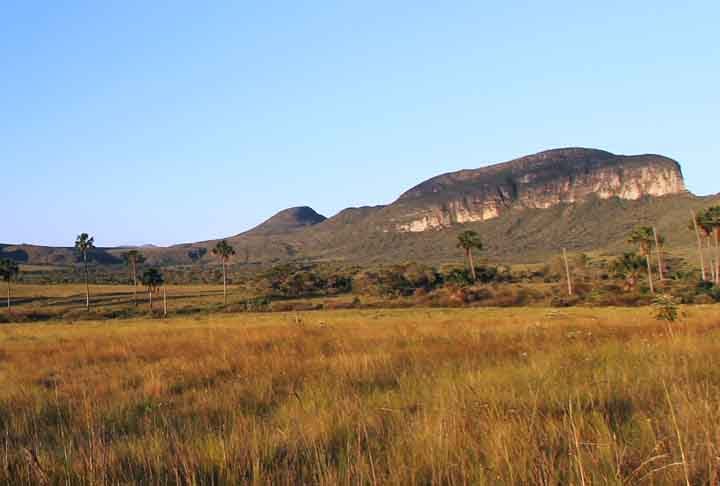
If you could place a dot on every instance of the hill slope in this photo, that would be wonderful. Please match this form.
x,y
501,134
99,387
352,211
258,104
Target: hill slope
x,y
525,210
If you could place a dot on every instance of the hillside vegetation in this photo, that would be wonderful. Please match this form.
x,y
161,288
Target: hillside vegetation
x,y
519,236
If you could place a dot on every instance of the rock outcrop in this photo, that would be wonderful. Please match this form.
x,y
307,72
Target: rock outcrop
x,y
543,180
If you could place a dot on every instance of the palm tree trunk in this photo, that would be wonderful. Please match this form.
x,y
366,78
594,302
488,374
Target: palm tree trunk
x,y
224,283
134,270
567,272
700,248
164,302
472,265
717,257
661,275
87,284
8,295
150,292
649,268
713,266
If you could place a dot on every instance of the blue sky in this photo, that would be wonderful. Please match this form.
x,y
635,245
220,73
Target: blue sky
x,y
165,122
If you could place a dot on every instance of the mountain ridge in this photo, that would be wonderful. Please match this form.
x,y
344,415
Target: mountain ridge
x,y
483,198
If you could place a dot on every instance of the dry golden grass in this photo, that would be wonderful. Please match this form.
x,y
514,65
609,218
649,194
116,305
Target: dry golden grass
x,y
42,302
514,396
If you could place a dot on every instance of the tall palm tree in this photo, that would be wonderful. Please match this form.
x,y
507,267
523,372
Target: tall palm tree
x,y
133,258
659,244
644,237
152,279
467,240
223,251
83,244
9,269
693,226
712,219
708,223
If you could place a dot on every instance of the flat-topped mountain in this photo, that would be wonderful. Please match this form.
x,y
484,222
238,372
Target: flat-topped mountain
x,y
524,209
542,180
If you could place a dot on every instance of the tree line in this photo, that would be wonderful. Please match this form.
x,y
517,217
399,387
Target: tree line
x,y
630,265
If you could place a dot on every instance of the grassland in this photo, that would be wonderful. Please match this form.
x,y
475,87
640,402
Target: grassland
x,y
33,302
405,396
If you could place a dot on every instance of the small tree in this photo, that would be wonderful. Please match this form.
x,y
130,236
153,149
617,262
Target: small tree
x,y
223,251
469,240
152,279
83,244
9,269
666,309
196,254
644,237
133,258
628,267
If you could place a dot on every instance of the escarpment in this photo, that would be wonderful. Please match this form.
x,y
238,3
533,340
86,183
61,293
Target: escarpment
x,y
543,180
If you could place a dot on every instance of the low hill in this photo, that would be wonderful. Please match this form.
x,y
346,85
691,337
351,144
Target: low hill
x,y
288,220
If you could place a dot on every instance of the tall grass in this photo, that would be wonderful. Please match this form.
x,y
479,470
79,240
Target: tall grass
x,y
514,396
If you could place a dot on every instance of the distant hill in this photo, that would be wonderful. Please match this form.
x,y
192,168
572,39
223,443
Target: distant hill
x,y
288,220
526,210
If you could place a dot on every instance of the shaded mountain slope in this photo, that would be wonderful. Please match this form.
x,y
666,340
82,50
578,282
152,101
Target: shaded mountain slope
x,y
525,210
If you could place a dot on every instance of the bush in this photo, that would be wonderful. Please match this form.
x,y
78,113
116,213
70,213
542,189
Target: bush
x,y
565,300
295,306
702,299
80,315
625,299
396,280
515,297
709,289
485,274
666,308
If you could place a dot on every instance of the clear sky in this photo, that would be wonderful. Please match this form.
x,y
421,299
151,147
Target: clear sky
x,y
171,121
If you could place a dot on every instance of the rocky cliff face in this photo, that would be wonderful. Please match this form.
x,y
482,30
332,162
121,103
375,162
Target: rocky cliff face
x,y
542,180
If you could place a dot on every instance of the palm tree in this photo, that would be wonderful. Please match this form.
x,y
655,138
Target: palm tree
x,y
629,266
467,240
8,271
644,237
133,258
693,226
659,244
708,221
152,279
712,219
223,251
83,244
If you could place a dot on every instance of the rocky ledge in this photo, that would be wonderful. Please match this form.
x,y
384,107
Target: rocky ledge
x,y
542,180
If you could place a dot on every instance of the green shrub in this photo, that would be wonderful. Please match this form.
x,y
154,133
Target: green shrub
x,y
666,308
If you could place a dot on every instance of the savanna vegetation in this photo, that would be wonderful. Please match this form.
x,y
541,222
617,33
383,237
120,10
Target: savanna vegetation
x,y
406,396
588,369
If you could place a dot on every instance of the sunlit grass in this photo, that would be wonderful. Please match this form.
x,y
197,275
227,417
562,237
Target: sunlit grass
x,y
491,396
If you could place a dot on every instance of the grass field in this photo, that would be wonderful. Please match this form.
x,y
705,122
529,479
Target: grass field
x,y
43,302
416,396
66,302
